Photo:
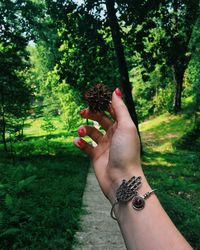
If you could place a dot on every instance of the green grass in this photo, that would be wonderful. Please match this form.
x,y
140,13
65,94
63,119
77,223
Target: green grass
x,y
33,127
162,131
41,195
174,171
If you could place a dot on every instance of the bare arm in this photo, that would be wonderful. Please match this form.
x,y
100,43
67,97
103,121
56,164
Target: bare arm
x,y
150,228
117,157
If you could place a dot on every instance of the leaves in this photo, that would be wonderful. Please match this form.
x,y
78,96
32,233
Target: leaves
x,y
23,184
10,232
8,200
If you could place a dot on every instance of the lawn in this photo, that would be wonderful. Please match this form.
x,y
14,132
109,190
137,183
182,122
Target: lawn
x,y
174,171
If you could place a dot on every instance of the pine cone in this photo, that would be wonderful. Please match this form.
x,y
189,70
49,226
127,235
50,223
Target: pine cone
x,y
98,97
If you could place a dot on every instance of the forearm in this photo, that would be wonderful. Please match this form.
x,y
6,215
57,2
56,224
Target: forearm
x,y
150,228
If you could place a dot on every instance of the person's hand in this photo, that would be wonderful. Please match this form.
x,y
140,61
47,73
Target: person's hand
x,y
117,157
117,154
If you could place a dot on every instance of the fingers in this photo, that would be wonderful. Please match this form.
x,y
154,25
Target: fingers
x,y
90,131
84,146
93,133
101,118
111,112
120,110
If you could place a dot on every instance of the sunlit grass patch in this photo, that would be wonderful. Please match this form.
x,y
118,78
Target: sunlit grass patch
x,y
33,127
166,124
163,147
152,123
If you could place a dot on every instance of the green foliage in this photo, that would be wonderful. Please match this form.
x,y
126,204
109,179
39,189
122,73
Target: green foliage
x,y
15,94
82,53
153,96
42,61
161,29
194,71
41,195
68,99
160,32
25,183
163,99
47,125
85,45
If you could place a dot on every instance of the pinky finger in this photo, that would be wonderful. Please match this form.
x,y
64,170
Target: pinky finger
x,y
84,146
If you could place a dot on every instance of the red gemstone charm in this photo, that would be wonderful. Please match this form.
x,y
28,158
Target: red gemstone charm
x,y
138,202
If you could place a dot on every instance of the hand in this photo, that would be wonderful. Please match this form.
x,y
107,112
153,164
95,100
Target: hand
x,y
117,154
117,157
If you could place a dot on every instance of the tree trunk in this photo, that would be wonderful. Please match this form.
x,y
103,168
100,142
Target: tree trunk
x,y
178,87
3,122
12,151
125,83
4,133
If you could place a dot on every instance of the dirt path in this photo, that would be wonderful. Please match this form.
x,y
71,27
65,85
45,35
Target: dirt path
x,y
98,231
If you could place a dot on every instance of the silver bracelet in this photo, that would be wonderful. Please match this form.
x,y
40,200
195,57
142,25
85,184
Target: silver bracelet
x,y
128,191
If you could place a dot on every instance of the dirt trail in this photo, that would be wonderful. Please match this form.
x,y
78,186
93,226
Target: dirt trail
x,y
98,231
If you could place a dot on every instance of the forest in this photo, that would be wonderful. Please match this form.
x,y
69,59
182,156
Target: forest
x,y
51,52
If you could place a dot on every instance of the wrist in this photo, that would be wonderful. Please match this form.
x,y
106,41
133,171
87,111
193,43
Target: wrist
x,y
124,210
130,190
117,181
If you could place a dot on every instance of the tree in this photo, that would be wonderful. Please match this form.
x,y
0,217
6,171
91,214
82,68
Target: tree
x,y
116,35
14,36
88,54
42,62
14,93
194,70
176,18
48,125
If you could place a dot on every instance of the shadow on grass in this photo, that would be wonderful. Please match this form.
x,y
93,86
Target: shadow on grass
x,y
176,177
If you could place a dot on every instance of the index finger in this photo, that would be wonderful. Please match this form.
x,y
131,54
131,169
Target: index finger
x,y
101,118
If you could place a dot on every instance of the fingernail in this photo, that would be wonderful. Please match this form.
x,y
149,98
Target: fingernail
x,y
81,131
82,112
79,142
118,92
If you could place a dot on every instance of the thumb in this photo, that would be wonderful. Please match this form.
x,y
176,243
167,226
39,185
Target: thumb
x,y
120,109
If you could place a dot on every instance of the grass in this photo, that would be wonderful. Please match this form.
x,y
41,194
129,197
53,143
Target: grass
x,y
174,171
33,127
41,195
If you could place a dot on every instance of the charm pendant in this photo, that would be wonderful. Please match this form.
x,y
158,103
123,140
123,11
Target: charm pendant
x,y
128,189
138,202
